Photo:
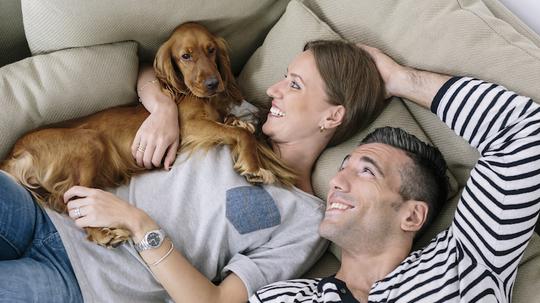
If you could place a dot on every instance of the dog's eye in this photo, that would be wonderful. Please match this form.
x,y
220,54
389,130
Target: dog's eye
x,y
186,56
211,50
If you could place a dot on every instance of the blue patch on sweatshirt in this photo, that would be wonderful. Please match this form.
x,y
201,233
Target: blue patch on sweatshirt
x,y
251,208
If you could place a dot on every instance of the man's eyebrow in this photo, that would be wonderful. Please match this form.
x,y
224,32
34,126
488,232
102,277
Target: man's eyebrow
x,y
344,160
373,162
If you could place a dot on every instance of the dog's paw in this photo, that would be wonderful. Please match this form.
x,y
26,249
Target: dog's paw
x,y
108,237
261,176
234,121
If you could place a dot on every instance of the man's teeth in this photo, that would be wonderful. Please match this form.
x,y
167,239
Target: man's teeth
x,y
276,112
339,206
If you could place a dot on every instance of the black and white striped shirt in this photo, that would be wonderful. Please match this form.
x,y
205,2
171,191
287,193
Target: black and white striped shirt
x,y
476,258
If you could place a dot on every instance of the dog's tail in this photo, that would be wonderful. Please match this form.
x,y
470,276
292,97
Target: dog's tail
x,y
21,167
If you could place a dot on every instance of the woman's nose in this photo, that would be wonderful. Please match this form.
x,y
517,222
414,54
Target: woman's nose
x,y
274,91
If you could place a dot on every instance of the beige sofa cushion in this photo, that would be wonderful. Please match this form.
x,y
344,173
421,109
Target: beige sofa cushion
x,y
63,85
13,44
58,24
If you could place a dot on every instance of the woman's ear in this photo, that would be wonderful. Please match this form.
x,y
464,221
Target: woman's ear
x,y
167,75
334,118
414,215
224,67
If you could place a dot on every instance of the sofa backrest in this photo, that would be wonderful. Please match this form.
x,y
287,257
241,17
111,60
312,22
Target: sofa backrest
x,y
57,24
13,46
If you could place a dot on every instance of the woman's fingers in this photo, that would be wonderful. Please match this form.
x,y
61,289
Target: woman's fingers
x,y
171,155
136,144
77,192
148,154
159,152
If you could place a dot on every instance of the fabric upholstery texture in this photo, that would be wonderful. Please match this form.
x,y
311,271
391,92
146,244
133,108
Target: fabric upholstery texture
x,y
58,24
13,46
63,85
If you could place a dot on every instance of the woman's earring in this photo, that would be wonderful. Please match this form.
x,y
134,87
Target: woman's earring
x,y
321,129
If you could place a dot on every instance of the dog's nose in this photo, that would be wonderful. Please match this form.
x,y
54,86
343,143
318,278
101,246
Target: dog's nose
x,y
211,83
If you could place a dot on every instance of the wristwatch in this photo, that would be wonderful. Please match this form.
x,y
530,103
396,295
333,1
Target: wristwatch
x,y
152,239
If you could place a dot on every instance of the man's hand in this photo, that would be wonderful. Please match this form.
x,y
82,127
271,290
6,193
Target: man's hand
x,y
389,69
402,81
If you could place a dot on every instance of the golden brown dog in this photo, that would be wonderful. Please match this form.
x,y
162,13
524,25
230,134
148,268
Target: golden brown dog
x,y
194,68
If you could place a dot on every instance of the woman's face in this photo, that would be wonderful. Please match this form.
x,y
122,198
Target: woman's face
x,y
299,102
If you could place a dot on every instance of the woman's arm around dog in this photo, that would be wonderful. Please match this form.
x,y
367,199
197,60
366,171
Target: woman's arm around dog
x,y
158,138
181,280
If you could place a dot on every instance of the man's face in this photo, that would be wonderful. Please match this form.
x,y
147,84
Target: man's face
x,y
364,201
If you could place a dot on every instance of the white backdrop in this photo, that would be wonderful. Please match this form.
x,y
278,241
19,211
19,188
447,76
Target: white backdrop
x,y
527,10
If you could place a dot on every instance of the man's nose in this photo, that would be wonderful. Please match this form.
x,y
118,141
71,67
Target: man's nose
x,y
340,181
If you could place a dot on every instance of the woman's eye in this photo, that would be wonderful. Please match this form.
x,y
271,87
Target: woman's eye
x,y
186,56
294,85
211,50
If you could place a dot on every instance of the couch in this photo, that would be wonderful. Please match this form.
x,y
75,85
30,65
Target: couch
x,y
61,59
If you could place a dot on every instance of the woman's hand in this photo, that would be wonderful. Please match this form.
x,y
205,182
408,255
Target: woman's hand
x,y
91,207
157,137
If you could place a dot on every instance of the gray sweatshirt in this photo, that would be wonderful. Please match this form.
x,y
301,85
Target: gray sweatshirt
x,y
217,220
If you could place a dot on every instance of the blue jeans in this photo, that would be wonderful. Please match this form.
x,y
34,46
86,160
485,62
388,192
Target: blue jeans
x,y
34,266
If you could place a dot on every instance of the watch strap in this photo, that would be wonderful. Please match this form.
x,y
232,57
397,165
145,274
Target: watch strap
x,y
145,245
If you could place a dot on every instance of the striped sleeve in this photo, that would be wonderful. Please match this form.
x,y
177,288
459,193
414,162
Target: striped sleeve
x,y
498,209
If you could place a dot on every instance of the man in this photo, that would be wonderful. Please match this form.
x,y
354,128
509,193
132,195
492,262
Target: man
x,y
390,187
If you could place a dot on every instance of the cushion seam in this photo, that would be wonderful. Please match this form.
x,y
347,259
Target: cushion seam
x,y
499,34
319,21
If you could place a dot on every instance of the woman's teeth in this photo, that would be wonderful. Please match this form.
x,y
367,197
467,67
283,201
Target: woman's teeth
x,y
339,206
276,112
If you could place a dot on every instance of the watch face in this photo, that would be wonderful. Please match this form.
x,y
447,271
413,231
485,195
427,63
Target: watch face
x,y
153,239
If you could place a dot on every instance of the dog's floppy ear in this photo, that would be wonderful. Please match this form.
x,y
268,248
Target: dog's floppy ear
x,y
170,78
224,66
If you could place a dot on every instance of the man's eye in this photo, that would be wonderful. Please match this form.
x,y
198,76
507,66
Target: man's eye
x,y
186,56
367,170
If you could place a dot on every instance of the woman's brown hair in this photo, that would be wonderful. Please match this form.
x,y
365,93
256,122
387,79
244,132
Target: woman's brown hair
x,y
352,80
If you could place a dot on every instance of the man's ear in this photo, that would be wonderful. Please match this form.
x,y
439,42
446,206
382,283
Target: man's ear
x,y
414,215
335,117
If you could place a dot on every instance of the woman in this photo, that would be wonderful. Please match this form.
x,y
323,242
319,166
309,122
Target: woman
x,y
230,238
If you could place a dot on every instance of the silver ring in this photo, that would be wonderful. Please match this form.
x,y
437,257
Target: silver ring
x,y
141,148
77,212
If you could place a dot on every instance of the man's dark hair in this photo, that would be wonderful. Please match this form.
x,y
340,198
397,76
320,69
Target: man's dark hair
x,y
423,180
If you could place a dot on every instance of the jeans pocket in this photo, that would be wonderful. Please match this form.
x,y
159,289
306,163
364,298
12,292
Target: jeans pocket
x,y
251,208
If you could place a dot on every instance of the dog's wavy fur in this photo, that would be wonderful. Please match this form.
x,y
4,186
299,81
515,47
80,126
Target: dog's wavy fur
x,y
95,151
